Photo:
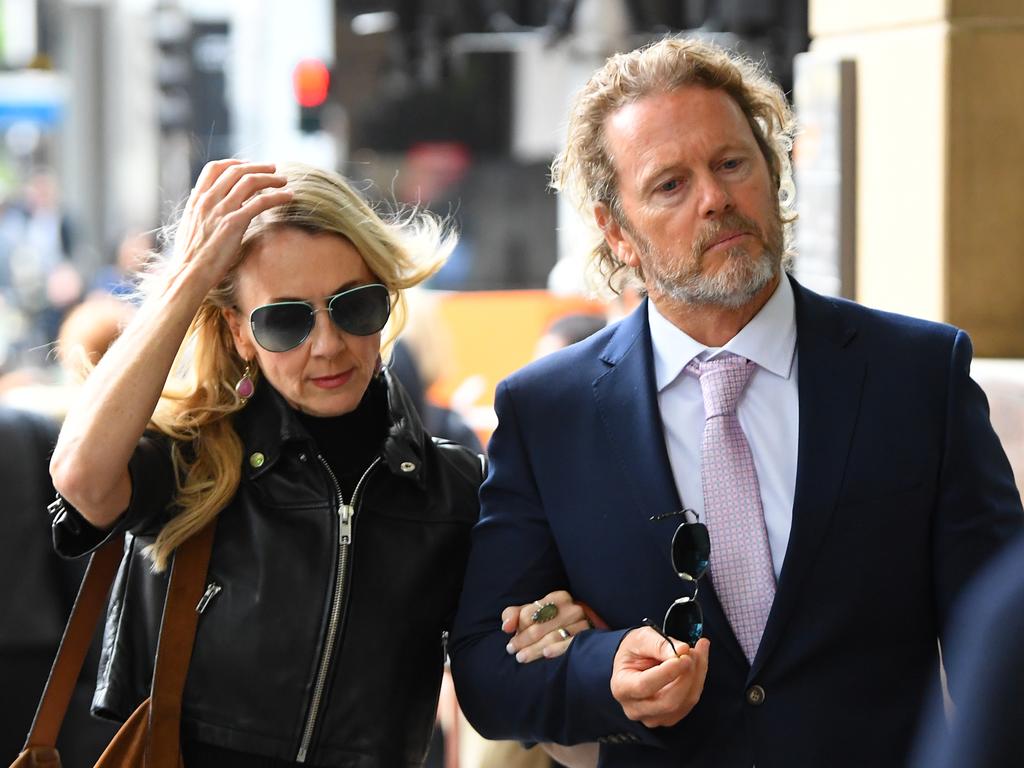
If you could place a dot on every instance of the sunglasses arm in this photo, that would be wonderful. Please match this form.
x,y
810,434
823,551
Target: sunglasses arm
x,y
656,628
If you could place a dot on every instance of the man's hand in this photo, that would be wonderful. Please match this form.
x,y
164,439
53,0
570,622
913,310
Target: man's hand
x,y
652,683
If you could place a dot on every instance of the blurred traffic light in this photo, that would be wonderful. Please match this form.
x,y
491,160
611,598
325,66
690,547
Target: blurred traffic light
x,y
311,80
173,38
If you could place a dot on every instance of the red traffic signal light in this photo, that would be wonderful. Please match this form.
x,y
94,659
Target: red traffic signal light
x,y
311,80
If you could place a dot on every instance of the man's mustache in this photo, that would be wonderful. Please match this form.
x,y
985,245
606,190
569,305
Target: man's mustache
x,y
730,222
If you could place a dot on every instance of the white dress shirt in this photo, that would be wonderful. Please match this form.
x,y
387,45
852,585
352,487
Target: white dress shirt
x,y
768,410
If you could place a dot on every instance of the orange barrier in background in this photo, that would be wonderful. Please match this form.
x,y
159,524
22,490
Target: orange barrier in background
x,y
492,334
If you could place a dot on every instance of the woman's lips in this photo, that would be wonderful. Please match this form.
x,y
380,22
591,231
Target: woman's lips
x,y
334,381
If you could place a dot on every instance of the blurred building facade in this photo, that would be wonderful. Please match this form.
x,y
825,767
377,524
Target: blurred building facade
x,y
906,169
151,89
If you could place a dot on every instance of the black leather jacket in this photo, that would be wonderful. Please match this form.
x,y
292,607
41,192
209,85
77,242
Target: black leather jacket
x,y
324,627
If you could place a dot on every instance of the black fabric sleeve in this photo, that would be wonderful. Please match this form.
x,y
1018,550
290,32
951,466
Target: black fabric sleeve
x,y
153,488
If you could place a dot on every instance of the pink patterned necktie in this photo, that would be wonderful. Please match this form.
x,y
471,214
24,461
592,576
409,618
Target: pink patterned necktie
x,y
741,560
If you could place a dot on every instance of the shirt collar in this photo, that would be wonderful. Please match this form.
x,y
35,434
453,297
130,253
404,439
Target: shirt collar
x,y
769,339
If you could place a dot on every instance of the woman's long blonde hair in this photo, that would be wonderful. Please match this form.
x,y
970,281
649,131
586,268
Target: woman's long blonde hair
x,y
207,453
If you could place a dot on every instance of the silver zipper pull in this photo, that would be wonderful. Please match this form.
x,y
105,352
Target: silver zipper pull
x,y
345,513
211,592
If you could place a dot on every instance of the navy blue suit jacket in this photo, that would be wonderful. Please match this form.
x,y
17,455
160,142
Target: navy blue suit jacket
x,y
985,655
902,492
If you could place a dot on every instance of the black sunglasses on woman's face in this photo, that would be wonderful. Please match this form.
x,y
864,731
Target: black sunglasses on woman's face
x,y
284,325
691,550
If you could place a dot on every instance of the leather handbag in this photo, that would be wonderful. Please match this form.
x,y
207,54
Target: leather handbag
x,y
151,736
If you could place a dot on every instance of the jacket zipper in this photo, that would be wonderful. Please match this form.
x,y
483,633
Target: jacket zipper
x,y
346,514
212,590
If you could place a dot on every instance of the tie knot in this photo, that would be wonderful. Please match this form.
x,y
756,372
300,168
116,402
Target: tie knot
x,y
722,380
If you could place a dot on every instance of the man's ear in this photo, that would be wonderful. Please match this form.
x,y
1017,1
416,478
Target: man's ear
x,y
618,239
243,345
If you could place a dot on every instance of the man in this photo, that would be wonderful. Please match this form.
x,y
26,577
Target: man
x,y
851,482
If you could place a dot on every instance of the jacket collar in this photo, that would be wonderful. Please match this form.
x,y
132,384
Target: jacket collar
x,y
267,424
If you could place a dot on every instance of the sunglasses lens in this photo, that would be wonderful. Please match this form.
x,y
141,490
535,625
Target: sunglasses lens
x,y
280,327
685,621
691,548
362,311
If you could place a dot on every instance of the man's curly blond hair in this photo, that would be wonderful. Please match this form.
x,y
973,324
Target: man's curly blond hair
x,y
585,171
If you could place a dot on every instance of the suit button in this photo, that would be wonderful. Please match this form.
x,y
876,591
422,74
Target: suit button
x,y
755,695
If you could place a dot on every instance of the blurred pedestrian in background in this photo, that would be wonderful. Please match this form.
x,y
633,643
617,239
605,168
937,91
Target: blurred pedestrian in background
x,y
431,178
36,274
120,278
249,393
39,283
41,585
84,337
566,330
39,590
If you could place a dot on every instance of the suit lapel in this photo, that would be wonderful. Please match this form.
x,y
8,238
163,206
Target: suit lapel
x,y
830,380
627,401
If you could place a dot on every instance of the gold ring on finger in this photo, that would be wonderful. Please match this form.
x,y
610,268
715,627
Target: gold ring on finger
x,y
564,633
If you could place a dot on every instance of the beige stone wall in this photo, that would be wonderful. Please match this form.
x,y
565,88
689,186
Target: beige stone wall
x,y
940,153
985,257
832,17
900,192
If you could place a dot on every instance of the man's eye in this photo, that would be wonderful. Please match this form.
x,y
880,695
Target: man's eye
x,y
732,164
669,186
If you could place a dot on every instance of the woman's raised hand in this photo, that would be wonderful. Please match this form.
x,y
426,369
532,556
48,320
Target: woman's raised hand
x,y
226,198
102,429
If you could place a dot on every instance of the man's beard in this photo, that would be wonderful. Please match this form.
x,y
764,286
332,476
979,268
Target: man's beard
x,y
737,281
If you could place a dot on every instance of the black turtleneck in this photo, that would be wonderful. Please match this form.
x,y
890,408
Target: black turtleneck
x,y
350,442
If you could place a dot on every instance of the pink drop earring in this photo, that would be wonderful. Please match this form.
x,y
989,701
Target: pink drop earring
x,y
245,386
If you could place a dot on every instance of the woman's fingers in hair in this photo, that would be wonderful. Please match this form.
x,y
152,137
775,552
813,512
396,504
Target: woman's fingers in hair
x,y
236,184
226,198
253,189
211,172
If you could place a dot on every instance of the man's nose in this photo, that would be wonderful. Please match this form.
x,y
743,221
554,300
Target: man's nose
x,y
715,198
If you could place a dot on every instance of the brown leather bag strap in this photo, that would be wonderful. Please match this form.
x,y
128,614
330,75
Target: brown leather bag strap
x,y
89,606
177,636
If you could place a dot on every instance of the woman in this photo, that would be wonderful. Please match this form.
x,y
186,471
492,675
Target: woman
x,y
342,528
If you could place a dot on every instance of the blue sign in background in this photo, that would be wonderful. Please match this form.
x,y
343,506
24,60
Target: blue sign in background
x,y
47,114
